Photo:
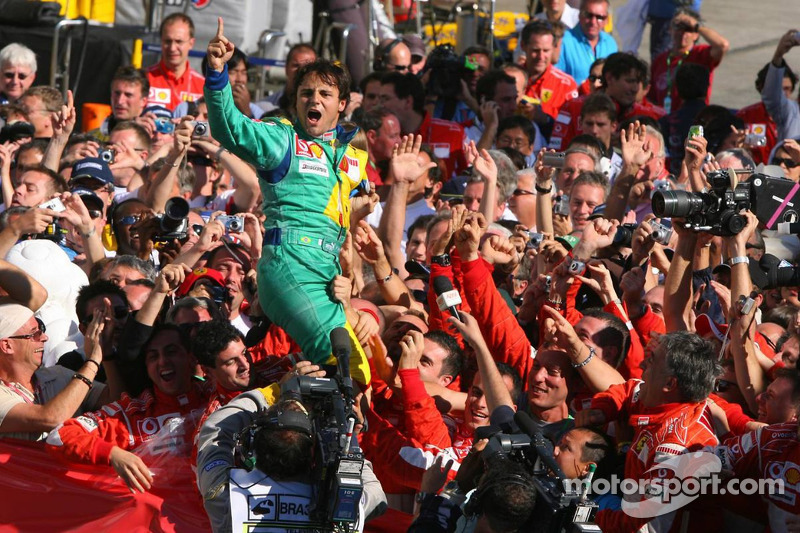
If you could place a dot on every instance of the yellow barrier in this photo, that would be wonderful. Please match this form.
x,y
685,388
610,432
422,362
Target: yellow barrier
x,y
98,10
505,25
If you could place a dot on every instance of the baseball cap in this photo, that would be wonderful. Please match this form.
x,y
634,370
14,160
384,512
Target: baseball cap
x,y
757,275
598,212
569,241
705,326
92,167
196,275
90,199
12,317
454,189
158,110
415,44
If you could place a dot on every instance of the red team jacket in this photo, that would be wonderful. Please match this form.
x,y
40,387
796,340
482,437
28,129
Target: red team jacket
x,y
446,139
552,89
127,423
660,432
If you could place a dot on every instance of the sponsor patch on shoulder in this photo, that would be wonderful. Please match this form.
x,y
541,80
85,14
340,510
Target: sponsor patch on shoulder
x,y
89,424
563,118
214,464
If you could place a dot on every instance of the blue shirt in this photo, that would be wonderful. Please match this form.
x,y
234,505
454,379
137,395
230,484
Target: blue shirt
x,y
577,54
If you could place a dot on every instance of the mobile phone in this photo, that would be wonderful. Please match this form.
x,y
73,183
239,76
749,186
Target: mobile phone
x,y
54,204
695,131
561,206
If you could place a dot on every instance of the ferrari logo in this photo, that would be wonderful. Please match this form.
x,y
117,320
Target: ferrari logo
x,y
547,94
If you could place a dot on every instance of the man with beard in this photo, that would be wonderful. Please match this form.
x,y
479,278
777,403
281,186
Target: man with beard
x,y
308,173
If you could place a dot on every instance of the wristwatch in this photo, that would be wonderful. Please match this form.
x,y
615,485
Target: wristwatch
x,y
441,260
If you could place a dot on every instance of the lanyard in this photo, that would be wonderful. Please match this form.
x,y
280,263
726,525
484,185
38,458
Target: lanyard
x,y
22,392
670,71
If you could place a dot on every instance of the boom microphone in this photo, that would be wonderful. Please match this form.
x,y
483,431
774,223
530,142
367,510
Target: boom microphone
x,y
447,298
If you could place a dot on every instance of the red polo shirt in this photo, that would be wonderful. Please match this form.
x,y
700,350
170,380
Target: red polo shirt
x,y
169,91
446,139
552,88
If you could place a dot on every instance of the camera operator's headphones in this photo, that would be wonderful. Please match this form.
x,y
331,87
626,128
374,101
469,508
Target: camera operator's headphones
x,y
473,506
383,52
275,418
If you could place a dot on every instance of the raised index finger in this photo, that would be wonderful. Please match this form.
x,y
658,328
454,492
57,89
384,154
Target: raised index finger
x,y
220,27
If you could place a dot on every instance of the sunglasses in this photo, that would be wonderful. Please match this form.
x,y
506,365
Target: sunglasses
x,y
521,192
400,68
95,214
12,75
723,385
593,78
129,220
600,18
197,228
36,334
788,163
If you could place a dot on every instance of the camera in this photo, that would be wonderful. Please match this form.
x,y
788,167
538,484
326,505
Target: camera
x,y
561,207
54,204
755,139
200,129
174,222
624,235
233,224
548,284
577,268
107,155
718,210
165,126
337,461
553,159
535,240
560,506
661,233
660,185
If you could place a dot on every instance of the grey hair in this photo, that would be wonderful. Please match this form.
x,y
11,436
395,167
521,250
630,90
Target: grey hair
x,y
145,268
691,359
17,54
662,152
587,152
188,302
506,176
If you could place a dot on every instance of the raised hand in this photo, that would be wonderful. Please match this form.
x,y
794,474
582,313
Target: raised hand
x,y
182,138
498,250
64,121
411,345
404,166
469,235
220,49
171,277
458,215
482,162
368,244
636,150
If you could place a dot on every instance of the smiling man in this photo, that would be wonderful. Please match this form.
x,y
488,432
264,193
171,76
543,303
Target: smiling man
x,y
173,80
18,69
308,171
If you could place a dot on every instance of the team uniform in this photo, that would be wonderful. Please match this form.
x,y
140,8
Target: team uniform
x,y
552,89
661,432
306,184
768,453
446,139
168,91
129,423
569,116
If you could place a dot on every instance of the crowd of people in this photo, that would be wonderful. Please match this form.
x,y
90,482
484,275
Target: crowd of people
x,y
164,274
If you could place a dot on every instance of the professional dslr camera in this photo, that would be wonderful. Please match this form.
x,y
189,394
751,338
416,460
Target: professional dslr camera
x,y
559,508
717,211
337,464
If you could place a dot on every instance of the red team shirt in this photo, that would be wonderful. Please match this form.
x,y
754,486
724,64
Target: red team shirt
x,y
661,73
168,91
553,88
757,120
446,139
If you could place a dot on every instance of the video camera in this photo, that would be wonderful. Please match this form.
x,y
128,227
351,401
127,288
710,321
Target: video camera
x,y
338,461
446,69
174,222
559,508
718,210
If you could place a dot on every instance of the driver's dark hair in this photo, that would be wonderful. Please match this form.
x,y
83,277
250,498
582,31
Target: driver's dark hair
x,y
693,362
406,85
330,72
451,366
211,338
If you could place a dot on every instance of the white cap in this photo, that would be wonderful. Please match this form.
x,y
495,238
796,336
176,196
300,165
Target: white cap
x,y
13,317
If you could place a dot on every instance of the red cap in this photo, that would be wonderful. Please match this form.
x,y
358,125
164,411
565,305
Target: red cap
x,y
196,275
705,326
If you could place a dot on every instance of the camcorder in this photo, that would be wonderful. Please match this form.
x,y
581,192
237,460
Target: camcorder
x,y
337,461
446,69
174,222
718,210
559,507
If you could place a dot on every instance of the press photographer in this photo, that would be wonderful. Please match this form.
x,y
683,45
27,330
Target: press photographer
x,y
291,462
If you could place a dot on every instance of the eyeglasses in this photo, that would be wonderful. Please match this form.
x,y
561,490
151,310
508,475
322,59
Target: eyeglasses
x,y
95,213
514,143
521,192
788,163
399,68
129,220
592,78
600,18
35,335
12,75
723,385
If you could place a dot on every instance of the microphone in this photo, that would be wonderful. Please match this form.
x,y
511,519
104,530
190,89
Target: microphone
x,y
543,447
340,346
447,298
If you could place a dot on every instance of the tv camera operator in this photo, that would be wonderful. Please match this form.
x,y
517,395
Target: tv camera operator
x,y
294,464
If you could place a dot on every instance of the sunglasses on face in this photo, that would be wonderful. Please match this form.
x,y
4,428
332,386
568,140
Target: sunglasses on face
x,y
95,213
788,163
129,220
121,312
35,335
600,18
521,192
400,68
